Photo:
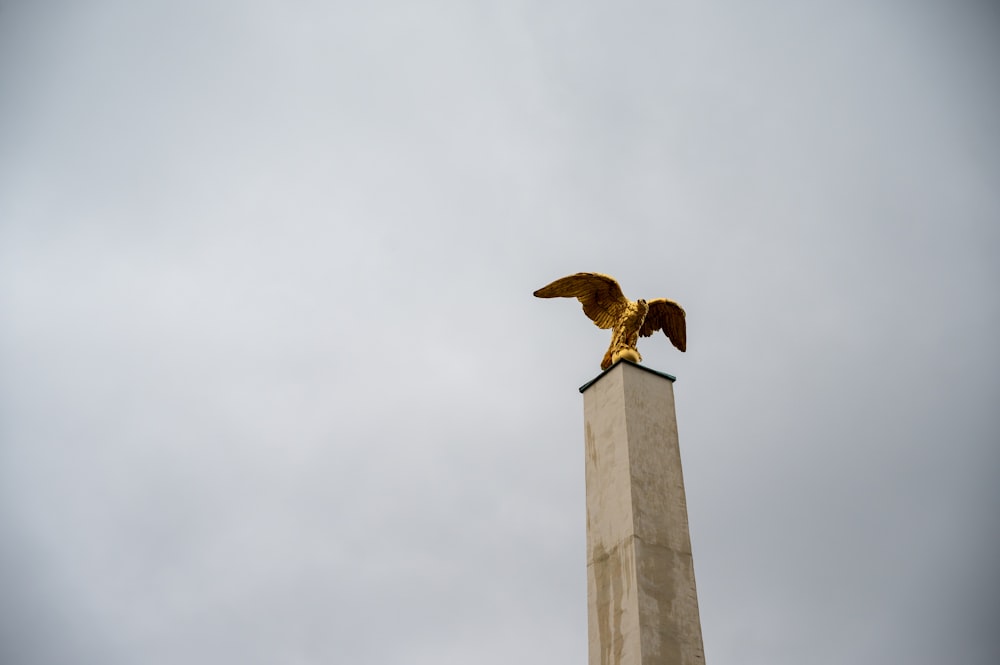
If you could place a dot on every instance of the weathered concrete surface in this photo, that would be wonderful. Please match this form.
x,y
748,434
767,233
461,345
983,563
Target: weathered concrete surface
x,y
642,604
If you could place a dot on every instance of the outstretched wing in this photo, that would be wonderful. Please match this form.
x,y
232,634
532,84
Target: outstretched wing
x,y
668,316
601,296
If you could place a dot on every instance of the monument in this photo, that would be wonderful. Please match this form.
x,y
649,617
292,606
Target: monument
x,y
641,596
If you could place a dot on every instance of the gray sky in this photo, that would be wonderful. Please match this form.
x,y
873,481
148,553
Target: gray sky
x,y
273,387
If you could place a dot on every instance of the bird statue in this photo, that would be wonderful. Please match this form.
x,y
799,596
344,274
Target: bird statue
x,y
606,305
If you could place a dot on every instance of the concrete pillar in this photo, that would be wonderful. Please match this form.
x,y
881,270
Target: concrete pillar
x,y
642,604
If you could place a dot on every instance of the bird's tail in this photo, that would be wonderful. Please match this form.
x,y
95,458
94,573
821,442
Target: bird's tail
x,y
606,361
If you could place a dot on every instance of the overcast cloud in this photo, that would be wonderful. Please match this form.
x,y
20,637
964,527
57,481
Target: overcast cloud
x,y
274,389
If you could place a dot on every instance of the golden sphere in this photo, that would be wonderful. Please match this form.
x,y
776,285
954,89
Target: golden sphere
x,y
626,354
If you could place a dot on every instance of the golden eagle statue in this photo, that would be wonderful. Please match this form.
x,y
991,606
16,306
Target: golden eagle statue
x,y
606,305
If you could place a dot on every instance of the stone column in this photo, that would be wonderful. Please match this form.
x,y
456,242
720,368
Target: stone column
x,y
642,604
